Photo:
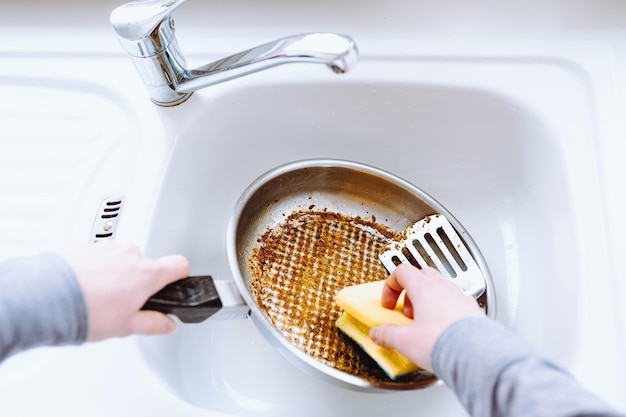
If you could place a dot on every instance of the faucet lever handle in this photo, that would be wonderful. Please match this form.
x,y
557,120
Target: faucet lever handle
x,y
137,19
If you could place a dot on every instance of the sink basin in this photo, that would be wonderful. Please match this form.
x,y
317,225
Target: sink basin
x,y
510,145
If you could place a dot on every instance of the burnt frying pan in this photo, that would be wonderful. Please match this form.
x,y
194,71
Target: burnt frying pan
x,y
333,198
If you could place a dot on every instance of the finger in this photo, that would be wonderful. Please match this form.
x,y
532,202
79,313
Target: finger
x,y
386,335
151,323
434,280
408,307
399,279
168,269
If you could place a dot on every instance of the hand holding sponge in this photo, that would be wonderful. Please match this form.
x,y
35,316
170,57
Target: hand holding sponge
x,y
362,311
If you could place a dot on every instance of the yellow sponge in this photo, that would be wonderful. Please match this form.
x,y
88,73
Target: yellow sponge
x,y
362,311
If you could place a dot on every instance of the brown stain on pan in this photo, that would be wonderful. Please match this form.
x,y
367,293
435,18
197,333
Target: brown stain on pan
x,y
297,268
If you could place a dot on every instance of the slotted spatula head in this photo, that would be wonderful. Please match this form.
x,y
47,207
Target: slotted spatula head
x,y
433,242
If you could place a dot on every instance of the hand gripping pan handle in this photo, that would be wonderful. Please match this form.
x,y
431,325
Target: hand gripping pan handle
x,y
196,298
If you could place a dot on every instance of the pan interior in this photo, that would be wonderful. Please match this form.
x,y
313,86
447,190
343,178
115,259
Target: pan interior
x,y
306,234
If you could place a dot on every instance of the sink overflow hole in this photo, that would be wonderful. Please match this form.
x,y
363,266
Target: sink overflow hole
x,y
105,223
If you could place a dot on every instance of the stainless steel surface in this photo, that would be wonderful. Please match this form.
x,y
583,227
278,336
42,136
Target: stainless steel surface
x,y
433,242
346,187
147,32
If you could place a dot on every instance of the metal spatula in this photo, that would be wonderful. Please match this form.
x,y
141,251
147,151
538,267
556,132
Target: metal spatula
x,y
433,242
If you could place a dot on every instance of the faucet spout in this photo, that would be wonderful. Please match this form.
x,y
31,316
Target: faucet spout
x,y
146,31
338,52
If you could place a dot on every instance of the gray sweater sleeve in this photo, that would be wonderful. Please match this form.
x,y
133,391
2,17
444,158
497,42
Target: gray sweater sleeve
x,y
495,373
41,303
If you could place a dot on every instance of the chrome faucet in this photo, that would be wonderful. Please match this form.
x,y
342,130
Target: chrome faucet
x,y
146,32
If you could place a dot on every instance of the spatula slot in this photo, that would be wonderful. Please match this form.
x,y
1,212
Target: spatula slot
x,y
409,256
396,261
443,259
451,248
423,253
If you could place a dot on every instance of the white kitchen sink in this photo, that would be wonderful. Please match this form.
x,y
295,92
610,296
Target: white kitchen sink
x,y
518,135
72,137
510,142
63,145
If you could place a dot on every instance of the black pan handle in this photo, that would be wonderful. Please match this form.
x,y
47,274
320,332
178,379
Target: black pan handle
x,y
192,299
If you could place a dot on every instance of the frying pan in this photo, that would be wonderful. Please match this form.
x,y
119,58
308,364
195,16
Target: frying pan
x,y
353,190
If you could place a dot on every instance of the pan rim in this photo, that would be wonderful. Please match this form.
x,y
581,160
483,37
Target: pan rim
x,y
291,352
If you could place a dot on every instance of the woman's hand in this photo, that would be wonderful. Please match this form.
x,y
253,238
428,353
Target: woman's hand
x,y
116,281
431,301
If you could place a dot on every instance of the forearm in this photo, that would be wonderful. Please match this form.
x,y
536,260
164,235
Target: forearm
x,y
41,303
494,373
